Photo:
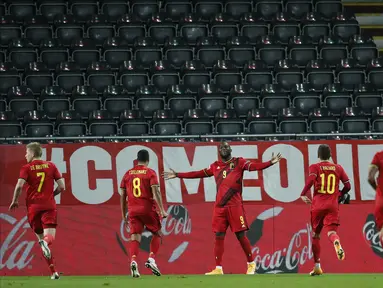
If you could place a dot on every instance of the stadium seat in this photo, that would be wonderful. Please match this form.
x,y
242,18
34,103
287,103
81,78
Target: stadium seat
x,y
362,49
9,30
129,27
132,123
68,75
163,75
161,27
37,76
375,73
165,123
84,52
242,99
70,124
83,10
99,75
149,100
260,121
132,75
176,51
20,100
116,99
223,26
21,10
52,53
284,27
53,100
194,75
179,100
287,74
322,121
37,124
114,9
332,50
84,100
336,98
256,74
315,26
9,77
252,27
9,125
144,8
176,8
197,122
318,74
366,97
21,53
36,29
101,123
353,121
274,98
208,51
227,122
146,51
191,27
67,29
377,119
210,99
225,75
301,50
304,98
291,122
240,51
50,9
99,29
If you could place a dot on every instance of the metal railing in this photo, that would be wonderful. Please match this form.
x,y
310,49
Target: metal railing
x,y
367,135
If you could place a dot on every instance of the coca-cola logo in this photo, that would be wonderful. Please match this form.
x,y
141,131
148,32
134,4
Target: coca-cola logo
x,y
286,260
15,252
371,234
178,222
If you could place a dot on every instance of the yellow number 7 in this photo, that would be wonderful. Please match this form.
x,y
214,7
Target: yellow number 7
x,y
42,175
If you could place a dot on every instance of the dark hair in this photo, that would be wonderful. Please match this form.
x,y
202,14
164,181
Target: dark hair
x,y
143,156
324,152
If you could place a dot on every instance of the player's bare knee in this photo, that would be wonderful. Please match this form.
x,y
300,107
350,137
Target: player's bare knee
x,y
50,231
329,233
316,236
135,237
220,234
240,234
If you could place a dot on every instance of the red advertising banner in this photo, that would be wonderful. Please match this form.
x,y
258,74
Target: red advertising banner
x,y
92,240
93,171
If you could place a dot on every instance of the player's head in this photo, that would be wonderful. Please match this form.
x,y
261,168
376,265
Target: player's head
x,y
143,157
324,152
34,151
225,150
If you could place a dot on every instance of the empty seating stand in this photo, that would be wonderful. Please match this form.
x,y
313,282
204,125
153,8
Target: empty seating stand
x,y
161,68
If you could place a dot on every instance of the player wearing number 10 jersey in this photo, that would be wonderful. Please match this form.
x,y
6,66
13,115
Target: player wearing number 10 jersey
x,y
139,189
325,176
39,177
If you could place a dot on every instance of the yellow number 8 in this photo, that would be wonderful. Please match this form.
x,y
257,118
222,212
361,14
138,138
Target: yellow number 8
x,y
136,187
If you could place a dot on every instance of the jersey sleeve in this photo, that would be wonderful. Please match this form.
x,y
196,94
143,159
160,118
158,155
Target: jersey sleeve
x,y
313,170
207,172
56,173
376,161
122,184
343,176
24,173
153,179
250,165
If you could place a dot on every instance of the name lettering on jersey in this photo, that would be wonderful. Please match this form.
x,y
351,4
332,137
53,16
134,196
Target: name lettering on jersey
x,y
39,167
135,172
328,168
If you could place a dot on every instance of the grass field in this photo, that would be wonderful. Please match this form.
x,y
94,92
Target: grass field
x,y
173,281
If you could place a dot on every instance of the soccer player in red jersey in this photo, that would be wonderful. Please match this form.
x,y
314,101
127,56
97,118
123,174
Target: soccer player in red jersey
x,y
325,176
39,176
139,192
228,209
375,167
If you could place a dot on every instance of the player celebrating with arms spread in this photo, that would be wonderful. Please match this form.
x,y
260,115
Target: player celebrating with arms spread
x,y
375,167
138,188
325,177
228,209
39,177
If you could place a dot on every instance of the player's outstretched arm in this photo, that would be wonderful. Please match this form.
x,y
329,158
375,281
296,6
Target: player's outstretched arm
x,y
16,194
158,198
193,174
60,186
256,166
123,203
372,171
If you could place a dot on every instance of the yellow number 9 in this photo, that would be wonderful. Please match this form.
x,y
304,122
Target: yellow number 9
x,y
224,174
136,187
242,220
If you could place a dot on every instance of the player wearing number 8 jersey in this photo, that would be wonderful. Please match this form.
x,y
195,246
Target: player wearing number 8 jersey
x,y
325,176
139,191
39,177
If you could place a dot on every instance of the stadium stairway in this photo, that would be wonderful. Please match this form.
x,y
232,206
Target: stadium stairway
x,y
369,14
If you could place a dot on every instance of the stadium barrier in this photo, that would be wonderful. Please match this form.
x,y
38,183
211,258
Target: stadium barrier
x,y
92,240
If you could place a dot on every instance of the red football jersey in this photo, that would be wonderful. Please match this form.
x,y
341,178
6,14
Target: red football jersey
x,y
326,186
228,177
138,183
40,177
378,162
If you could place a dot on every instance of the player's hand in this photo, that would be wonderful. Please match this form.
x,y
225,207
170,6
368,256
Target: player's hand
x,y
276,159
13,205
169,175
306,199
163,214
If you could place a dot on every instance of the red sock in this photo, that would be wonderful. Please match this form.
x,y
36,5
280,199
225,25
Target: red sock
x,y
333,237
154,246
218,249
134,248
316,249
246,246
49,239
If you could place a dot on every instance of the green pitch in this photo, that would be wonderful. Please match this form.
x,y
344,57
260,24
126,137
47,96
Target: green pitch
x,y
177,281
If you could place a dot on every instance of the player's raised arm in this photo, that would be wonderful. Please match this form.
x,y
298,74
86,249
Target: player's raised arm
x,y
193,174
251,165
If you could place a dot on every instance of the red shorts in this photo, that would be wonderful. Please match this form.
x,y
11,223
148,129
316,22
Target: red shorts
x,y
151,221
233,216
40,220
378,213
324,218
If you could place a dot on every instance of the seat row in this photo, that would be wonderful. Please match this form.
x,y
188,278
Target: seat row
x,y
195,122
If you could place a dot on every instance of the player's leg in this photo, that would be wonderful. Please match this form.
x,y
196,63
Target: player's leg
x,y
136,228
49,223
379,220
316,225
219,225
238,224
331,221
153,224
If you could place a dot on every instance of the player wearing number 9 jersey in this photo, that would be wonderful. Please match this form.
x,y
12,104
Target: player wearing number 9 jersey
x,y
39,176
139,192
325,176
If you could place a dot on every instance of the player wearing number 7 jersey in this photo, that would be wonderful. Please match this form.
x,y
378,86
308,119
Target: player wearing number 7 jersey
x,y
325,176
39,177
139,188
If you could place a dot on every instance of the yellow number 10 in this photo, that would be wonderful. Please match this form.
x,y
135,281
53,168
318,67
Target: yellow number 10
x,y
42,178
330,184
136,187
